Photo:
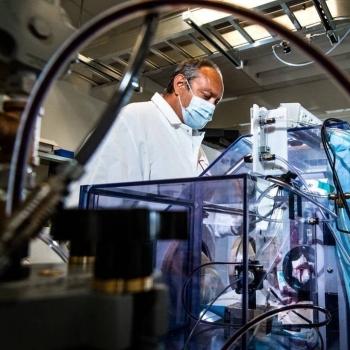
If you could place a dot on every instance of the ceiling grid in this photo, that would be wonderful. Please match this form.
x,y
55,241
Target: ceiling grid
x,y
184,35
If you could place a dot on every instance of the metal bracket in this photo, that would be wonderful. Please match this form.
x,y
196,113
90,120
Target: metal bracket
x,y
326,19
100,68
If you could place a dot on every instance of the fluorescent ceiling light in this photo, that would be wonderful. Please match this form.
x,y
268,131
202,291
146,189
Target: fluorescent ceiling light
x,y
306,17
249,3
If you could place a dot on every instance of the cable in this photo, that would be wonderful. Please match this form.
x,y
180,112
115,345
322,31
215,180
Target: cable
x,y
309,62
206,310
332,162
301,316
42,202
267,216
293,168
256,320
302,194
61,58
119,98
124,91
271,313
184,287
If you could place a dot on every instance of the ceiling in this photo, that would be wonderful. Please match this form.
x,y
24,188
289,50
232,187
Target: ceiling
x,y
263,78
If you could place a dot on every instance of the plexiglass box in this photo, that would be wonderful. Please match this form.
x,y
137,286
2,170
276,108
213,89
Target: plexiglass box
x,y
264,246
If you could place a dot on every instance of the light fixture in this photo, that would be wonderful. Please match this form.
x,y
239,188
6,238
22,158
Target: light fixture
x,y
249,3
136,84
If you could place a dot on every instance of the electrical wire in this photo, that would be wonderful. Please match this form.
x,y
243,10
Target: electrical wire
x,y
206,310
309,62
301,316
274,312
341,234
184,287
256,320
332,162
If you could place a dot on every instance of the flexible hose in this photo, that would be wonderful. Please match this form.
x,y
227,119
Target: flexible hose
x,y
101,24
29,216
274,312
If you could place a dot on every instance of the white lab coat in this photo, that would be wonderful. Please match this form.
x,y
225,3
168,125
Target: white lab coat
x,y
146,142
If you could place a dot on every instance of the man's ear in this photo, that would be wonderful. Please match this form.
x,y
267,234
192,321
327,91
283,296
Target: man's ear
x,y
179,84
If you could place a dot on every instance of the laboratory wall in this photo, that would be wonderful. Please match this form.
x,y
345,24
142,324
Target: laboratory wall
x,y
71,111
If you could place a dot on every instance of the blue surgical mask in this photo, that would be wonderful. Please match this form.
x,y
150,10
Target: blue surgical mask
x,y
198,113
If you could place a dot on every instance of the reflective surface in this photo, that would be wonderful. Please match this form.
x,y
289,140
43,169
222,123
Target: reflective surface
x,y
268,247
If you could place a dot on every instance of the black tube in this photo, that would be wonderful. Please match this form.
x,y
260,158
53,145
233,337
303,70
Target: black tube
x,y
101,24
124,92
274,312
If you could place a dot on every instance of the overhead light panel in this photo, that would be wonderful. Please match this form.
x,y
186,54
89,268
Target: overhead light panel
x,y
215,40
249,3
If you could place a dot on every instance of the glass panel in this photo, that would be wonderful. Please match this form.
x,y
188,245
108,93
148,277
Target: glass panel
x,y
262,246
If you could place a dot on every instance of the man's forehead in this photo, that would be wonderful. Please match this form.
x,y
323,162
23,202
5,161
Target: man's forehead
x,y
211,76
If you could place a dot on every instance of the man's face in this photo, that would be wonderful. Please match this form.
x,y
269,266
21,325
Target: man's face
x,y
208,86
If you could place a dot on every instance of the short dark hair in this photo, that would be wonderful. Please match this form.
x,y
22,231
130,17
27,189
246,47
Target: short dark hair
x,y
189,69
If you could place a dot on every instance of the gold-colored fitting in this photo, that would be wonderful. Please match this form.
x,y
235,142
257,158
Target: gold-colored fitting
x,y
337,197
112,286
81,260
118,286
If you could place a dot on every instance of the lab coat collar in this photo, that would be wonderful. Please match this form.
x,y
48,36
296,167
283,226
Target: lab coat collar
x,y
166,109
197,133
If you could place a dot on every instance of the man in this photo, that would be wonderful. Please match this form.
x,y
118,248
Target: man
x,y
158,139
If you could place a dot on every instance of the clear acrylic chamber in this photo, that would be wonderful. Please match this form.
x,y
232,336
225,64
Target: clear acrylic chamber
x,y
263,245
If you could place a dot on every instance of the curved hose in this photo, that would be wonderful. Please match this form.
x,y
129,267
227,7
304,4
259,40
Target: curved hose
x,y
302,194
53,245
25,222
101,24
271,313
98,26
